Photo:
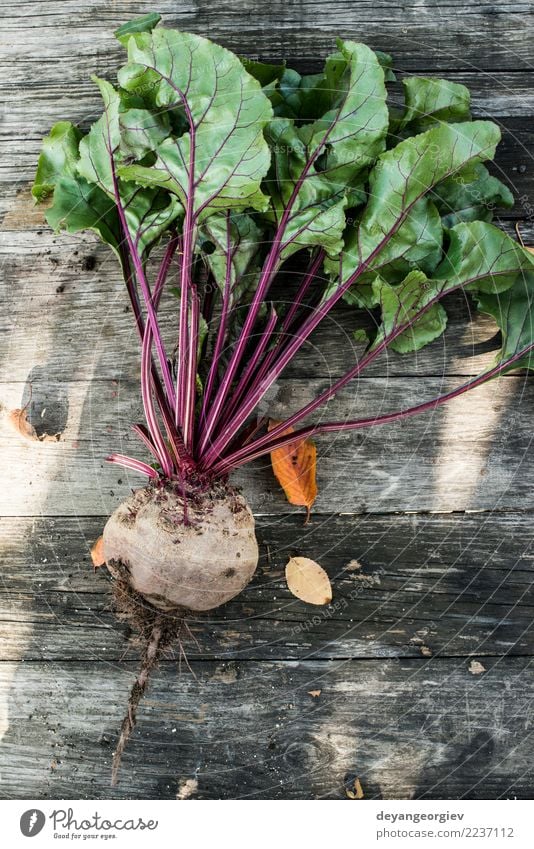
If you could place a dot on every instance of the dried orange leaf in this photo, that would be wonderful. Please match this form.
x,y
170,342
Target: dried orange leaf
x,y
19,420
308,581
97,553
314,693
294,466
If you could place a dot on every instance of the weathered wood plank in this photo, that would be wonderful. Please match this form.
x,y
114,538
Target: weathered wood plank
x,y
64,316
494,94
408,729
452,585
442,551
473,454
482,36
57,628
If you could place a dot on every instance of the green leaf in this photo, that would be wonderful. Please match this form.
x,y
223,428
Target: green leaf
x,y
119,134
362,296
398,305
265,73
319,168
317,212
513,312
98,148
361,335
399,217
386,62
234,243
429,101
146,23
480,259
300,97
482,256
141,131
149,211
79,205
58,158
285,97
308,97
471,195
355,126
190,127
220,162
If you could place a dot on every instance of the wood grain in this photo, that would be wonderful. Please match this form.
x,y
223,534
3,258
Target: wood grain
x,y
455,584
481,36
64,311
472,454
406,728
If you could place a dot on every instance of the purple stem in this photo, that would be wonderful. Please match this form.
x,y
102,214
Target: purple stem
x,y
303,290
287,322
209,456
182,458
245,378
221,330
185,395
143,434
140,275
146,362
150,412
233,461
191,372
135,465
359,366
262,385
136,308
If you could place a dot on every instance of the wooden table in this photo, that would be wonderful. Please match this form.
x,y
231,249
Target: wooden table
x,y
418,679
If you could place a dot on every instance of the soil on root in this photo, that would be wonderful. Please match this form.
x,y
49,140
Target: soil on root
x,y
156,631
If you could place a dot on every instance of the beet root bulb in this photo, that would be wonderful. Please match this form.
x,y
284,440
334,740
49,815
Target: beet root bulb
x,y
194,555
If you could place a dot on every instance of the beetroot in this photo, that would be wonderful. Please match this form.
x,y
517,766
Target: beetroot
x,y
225,169
179,555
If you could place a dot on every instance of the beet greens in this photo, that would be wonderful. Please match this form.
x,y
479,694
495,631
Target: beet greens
x,y
231,167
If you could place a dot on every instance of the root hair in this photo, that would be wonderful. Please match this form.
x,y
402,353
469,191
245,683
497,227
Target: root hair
x,y
156,630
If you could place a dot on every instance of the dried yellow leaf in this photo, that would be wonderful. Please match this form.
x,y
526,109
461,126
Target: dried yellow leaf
x,y
308,581
355,791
